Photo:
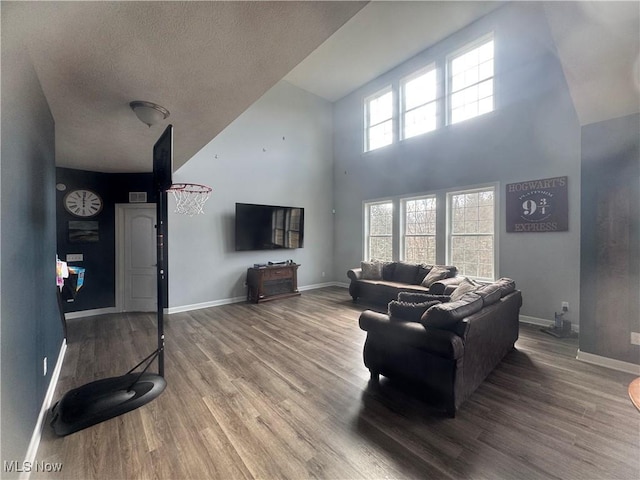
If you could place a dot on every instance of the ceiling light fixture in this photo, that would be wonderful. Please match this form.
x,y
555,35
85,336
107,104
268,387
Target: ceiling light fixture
x,y
149,113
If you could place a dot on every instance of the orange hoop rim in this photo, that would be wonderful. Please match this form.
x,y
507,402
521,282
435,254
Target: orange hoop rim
x,y
189,188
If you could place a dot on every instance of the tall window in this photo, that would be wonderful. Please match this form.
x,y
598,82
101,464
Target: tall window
x,y
471,82
378,114
419,230
379,231
419,110
472,232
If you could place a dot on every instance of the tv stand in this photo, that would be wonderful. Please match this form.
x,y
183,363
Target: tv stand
x,y
272,282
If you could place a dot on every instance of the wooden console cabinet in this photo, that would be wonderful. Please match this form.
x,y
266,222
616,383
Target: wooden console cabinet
x,y
272,282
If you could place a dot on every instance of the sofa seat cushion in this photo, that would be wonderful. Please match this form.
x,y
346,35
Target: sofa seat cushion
x,y
441,343
447,316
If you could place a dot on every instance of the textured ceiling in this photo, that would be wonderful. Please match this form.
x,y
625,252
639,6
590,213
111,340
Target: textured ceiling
x,y
207,62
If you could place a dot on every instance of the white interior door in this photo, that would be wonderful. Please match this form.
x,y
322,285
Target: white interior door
x,y
139,259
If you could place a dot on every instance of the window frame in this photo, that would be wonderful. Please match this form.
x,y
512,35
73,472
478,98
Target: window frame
x,y
475,44
402,97
495,234
367,126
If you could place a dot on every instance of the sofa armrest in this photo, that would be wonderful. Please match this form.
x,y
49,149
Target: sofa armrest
x,y
355,274
446,286
437,342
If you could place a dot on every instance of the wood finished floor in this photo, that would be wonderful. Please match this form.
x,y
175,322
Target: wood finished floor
x,y
279,391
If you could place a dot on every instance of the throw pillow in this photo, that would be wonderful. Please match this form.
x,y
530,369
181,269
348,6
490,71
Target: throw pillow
x,y
414,297
465,286
371,270
423,270
435,274
408,312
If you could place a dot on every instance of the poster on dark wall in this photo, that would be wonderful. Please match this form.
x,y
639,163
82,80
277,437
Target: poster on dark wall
x,y
538,206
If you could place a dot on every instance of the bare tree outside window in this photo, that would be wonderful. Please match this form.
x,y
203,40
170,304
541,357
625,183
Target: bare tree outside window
x,y
471,237
419,234
380,231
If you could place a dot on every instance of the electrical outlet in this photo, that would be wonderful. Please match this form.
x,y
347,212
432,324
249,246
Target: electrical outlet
x,y
44,367
565,306
635,338
323,274
75,257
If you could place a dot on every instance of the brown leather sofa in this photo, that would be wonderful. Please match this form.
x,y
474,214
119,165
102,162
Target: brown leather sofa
x,y
448,348
382,284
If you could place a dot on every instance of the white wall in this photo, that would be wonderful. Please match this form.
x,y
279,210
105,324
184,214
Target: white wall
x,y
277,152
532,134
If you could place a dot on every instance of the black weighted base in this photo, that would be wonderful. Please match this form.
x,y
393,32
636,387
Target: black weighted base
x,y
103,399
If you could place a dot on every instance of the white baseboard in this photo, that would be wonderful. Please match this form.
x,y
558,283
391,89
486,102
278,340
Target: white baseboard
x,y
227,301
46,403
589,357
543,322
198,306
608,363
90,313
195,306
316,286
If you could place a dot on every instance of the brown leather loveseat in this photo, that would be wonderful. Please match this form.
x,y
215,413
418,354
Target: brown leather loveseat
x,y
447,345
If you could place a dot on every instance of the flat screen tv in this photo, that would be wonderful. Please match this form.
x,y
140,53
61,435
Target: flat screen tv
x,y
268,227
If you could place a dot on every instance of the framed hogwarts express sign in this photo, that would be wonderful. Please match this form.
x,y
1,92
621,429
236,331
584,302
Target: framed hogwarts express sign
x,y
538,206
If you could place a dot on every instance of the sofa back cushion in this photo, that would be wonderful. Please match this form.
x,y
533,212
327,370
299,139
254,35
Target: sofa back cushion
x,y
371,270
408,311
447,316
507,285
388,270
466,285
406,273
423,269
490,293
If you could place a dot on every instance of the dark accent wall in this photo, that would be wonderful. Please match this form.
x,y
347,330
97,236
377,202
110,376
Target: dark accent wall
x,y
99,289
610,238
30,321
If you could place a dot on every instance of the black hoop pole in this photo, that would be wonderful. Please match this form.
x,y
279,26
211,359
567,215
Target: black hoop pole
x,y
161,228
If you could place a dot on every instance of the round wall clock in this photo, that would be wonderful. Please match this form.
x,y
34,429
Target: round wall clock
x,y
83,203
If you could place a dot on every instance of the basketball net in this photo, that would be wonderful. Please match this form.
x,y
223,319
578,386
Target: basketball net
x,y
190,198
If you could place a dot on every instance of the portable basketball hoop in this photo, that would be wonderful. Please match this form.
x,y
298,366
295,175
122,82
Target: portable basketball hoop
x,y
190,197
